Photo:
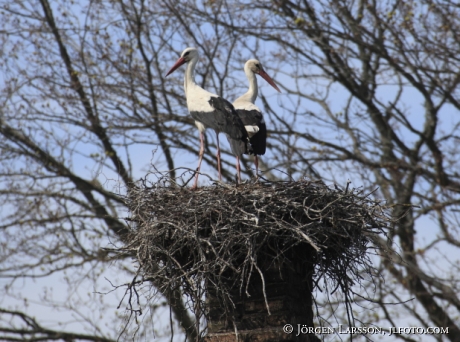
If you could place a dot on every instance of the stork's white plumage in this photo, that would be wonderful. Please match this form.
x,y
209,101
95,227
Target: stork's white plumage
x,y
251,116
209,110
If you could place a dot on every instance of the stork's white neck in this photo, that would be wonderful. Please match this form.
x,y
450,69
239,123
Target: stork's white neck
x,y
189,78
251,94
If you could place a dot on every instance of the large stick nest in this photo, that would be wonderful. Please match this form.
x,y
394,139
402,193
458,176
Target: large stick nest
x,y
219,236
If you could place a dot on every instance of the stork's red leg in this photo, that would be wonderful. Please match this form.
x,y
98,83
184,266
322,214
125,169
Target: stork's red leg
x,y
238,169
256,162
218,157
195,185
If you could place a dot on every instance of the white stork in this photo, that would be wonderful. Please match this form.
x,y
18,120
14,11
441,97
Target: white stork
x,y
209,110
251,116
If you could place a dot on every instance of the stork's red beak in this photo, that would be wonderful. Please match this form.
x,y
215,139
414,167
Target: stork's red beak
x,y
267,78
179,62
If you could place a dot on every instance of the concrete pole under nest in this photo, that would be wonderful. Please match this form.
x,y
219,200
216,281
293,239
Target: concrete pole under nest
x,y
287,302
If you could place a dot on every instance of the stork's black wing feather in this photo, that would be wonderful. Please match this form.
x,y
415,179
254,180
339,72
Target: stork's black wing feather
x,y
259,140
240,146
255,118
250,117
222,119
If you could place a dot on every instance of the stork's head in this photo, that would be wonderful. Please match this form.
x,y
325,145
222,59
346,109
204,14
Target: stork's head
x,y
253,65
186,56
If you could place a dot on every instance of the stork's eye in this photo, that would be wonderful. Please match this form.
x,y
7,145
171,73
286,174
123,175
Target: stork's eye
x,y
258,66
186,54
